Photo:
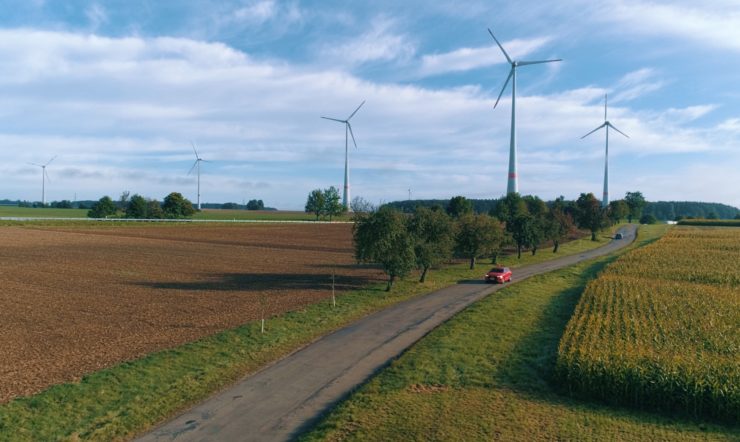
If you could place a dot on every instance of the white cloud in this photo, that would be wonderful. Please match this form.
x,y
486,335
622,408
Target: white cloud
x,y
465,59
714,23
637,84
380,43
97,15
258,12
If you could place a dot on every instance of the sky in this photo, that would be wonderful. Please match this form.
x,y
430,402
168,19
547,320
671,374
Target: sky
x,y
116,92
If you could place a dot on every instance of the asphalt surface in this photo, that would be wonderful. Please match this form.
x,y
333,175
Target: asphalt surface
x,y
287,397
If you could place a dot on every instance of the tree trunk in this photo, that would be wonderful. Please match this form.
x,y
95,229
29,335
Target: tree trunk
x,y
494,258
557,244
593,235
424,274
472,262
534,251
518,251
390,283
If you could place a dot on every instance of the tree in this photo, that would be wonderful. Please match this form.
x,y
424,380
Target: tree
x,y
360,205
332,205
154,210
459,206
177,206
315,203
558,224
539,211
381,237
522,229
635,201
432,232
478,235
103,208
618,210
509,207
255,205
590,214
136,207
230,206
648,219
123,199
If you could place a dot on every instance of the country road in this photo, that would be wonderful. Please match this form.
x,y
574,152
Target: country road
x,y
287,397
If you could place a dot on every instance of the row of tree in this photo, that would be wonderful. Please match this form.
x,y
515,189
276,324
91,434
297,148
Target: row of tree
x,y
400,242
174,206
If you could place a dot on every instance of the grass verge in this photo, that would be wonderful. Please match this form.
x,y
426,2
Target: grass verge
x,y
121,401
487,374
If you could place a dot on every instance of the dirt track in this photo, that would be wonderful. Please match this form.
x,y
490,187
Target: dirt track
x,y
75,300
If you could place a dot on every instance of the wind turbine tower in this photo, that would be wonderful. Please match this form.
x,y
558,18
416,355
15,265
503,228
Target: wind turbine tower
x,y
44,177
196,165
347,133
513,179
607,125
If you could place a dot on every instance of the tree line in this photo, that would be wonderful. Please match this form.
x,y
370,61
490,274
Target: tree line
x,y
401,242
174,206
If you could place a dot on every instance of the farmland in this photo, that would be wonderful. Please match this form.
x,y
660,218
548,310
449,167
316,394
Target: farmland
x,y
659,328
79,299
487,375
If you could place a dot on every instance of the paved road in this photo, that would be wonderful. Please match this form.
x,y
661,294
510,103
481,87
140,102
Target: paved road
x,y
285,398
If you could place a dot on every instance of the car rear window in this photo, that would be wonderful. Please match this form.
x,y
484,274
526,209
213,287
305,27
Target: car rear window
x,y
497,270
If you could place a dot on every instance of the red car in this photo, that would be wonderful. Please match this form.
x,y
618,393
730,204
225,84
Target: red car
x,y
499,274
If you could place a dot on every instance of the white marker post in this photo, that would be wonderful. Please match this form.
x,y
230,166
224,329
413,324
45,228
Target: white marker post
x,y
333,297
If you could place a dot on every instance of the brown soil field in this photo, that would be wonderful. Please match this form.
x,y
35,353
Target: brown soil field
x,y
74,300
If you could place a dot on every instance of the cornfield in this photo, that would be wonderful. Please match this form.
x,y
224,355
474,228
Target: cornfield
x,y
660,327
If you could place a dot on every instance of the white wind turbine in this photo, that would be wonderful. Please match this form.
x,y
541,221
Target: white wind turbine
x,y
607,125
513,180
196,165
44,177
347,132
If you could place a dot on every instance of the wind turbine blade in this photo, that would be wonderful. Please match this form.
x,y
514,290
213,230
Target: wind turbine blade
x,y
353,135
52,159
193,168
593,131
334,119
358,108
34,164
525,63
612,126
506,83
604,107
500,47
47,176
196,152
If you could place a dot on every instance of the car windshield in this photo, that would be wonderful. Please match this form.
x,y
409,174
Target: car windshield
x,y
496,270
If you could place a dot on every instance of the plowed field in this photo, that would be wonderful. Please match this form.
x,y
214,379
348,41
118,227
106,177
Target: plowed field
x,y
75,300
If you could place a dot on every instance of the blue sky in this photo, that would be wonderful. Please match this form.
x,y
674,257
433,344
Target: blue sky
x,y
118,89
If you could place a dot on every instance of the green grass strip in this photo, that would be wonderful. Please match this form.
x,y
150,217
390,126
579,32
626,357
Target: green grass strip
x,y
124,400
487,374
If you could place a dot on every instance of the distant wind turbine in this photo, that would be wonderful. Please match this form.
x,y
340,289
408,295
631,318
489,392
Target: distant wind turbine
x,y
196,165
44,177
347,132
513,180
607,125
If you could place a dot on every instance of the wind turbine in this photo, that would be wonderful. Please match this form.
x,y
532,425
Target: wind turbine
x,y
44,177
347,132
607,125
513,180
196,165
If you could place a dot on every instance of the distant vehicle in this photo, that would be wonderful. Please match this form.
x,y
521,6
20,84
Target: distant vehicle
x,y
618,236
498,275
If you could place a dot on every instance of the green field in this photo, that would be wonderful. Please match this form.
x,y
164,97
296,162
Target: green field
x,y
666,337
15,211
123,400
487,375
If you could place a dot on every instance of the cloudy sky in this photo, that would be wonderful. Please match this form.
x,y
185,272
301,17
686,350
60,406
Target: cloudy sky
x,y
116,90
